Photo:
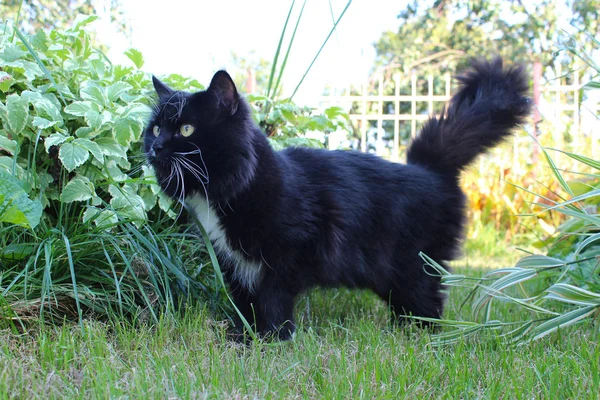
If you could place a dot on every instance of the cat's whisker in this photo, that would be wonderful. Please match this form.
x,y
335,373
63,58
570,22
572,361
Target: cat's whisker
x,y
200,170
138,168
242,247
181,153
263,258
171,175
182,198
191,166
203,163
180,178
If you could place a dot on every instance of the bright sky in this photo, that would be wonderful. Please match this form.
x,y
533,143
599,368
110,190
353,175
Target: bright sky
x,y
196,37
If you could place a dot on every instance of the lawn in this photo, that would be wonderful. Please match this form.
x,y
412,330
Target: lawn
x,y
344,349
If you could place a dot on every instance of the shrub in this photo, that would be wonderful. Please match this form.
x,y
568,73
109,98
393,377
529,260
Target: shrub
x,y
93,230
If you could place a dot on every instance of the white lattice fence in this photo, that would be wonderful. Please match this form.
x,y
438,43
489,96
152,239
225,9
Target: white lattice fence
x,y
412,99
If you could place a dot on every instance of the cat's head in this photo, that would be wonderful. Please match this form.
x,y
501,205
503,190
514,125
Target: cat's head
x,y
200,142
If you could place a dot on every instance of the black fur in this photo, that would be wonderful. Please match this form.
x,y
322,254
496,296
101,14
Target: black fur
x,y
306,217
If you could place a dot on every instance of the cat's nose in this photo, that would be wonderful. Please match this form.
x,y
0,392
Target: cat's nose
x,y
156,148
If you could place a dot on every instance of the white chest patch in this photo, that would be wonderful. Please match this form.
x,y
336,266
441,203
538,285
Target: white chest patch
x,y
247,272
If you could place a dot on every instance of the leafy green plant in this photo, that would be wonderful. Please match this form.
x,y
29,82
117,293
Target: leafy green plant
x,y
559,288
94,234
285,123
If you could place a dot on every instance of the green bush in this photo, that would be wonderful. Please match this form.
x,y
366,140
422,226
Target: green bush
x,y
84,225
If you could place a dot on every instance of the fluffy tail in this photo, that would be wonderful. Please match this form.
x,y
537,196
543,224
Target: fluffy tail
x,y
490,103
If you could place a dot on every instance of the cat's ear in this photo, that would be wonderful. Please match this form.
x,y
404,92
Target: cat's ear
x,y
223,88
163,91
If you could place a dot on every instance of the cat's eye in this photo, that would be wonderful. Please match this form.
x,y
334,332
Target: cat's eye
x,y
156,130
186,130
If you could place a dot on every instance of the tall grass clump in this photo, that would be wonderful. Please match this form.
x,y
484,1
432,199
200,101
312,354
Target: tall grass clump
x,y
84,227
560,286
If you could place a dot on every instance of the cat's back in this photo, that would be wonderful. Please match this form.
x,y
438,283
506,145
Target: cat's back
x,y
365,188
356,170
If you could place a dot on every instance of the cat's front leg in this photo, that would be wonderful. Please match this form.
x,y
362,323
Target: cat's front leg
x,y
275,306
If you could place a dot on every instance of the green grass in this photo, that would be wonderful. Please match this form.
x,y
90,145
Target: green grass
x,y
344,349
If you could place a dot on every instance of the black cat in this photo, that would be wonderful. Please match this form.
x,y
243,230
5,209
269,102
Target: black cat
x,y
283,222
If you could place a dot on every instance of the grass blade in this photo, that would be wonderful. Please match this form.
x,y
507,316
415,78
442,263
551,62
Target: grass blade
x,y
557,173
219,273
320,49
583,159
573,295
287,53
275,59
73,279
561,321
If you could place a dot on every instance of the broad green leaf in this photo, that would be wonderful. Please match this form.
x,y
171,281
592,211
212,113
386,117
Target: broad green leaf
x,y
18,111
30,69
31,96
165,202
101,218
94,93
115,90
91,147
114,172
99,67
90,213
127,203
17,251
8,145
54,140
78,108
84,132
79,188
40,40
15,206
139,112
72,155
127,130
3,113
93,119
110,147
6,81
148,197
47,109
43,123
13,53
136,57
